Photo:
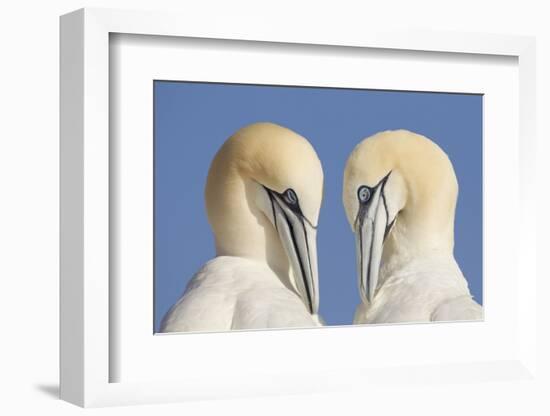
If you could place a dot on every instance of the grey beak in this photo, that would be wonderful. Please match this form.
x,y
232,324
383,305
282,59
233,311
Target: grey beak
x,y
299,239
371,228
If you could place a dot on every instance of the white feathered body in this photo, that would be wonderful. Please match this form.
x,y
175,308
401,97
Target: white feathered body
x,y
421,291
236,293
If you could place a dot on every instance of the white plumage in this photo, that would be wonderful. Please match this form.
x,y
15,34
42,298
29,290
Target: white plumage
x,y
420,291
400,193
236,293
263,196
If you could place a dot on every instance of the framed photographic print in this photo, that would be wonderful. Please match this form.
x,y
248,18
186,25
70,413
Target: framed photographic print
x,y
335,121
247,214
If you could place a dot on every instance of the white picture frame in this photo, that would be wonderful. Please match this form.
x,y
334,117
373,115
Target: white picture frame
x,y
88,303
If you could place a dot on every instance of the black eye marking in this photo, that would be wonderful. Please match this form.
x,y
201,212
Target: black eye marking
x,y
290,197
363,193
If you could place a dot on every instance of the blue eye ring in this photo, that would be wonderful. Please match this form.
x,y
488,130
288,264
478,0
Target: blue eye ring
x,y
290,197
363,193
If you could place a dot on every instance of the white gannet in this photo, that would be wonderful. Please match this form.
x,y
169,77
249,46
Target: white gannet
x,y
263,196
400,193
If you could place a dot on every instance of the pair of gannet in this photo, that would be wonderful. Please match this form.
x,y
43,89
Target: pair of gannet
x,y
263,196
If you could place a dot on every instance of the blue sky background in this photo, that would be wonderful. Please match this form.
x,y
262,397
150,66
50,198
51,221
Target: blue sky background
x,y
192,120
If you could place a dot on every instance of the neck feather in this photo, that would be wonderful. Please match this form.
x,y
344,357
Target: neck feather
x,y
426,241
241,229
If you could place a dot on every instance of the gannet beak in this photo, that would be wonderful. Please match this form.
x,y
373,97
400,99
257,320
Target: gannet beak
x,y
299,239
371,227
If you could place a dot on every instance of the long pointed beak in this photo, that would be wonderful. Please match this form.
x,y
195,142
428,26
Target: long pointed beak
x,y
370,230
299,239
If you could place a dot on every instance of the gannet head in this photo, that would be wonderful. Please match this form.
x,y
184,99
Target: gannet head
x,y
399,194
263,195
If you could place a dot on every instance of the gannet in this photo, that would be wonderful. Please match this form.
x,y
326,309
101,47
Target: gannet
x,y
263,195
399,194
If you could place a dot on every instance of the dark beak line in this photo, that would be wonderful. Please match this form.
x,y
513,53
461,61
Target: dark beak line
x,y
309,264
303,217
298,211
295,244
300,260
363,207
361,259
359,223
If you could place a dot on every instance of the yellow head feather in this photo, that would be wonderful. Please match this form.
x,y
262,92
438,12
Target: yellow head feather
x,y
260,154
423,183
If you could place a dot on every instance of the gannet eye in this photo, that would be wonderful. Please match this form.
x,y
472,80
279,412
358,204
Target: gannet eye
x,y
363,193
290,197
